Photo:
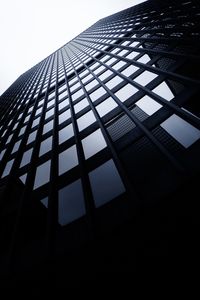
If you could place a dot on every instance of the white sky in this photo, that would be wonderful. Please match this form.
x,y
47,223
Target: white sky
x,y
30,30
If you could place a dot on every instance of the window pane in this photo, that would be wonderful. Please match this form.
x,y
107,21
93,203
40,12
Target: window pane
x,y
66,133
64,116
145,78
45,146
106,183
148,105
42,174
106,106
182,131
164,91
113,82
97,94
86,120
67,160
26,158
80,105
71,203
7,168
127,91
93,143
32,137
48,126
129,71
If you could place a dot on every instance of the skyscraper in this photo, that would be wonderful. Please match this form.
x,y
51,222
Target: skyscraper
x,y
102,129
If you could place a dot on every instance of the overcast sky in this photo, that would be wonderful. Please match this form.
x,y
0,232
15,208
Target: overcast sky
x,y
30,30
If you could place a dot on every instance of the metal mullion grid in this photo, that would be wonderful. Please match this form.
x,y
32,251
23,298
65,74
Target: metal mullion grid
x,y
15,136
21,96
52,212
147,39
145,130
27,189
22,103
140,50
34,159
128,185
166,75
87,192
16,102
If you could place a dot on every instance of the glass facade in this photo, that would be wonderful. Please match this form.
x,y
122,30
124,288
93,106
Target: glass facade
x,y
112,111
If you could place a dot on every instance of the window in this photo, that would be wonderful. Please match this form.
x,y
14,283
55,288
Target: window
x,y
2,154
42,174
45,146
65,133
97,94
145,78
105,75
47,127
80,105
106,106
129,71
49,113
132,55
16,146
26,158
127,91
67,160
88,77
22,130
63,104
106,183
148,105
32,137
119,65
63,95
144,59
97,71
71,203
64,116
86,120
7,168
164,91
113,82
182,131
74,87
93,143
90,85
35,122
78,94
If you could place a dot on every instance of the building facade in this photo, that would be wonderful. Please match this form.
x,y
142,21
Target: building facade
x,y
106,125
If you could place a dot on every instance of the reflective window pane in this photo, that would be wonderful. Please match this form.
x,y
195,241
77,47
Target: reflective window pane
x,y
182,131
42,174
113,82
106,106
80,105
164,91
93,143
26,158
48,126
71,203
86,120
97,94
127,91
145,78
67,160
64,116
106,183
148,105
45,146
7,168
66,133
